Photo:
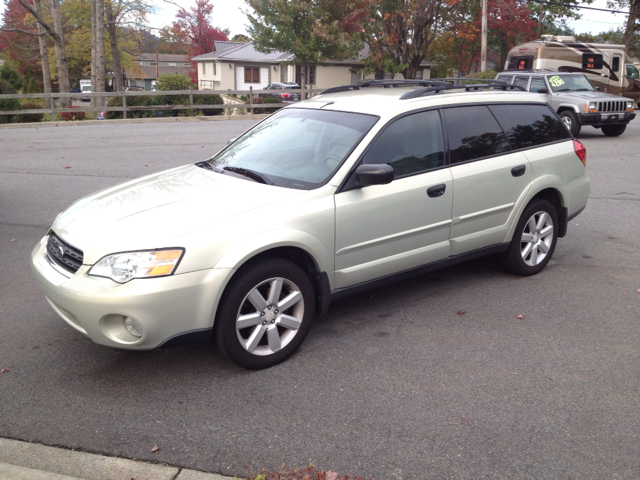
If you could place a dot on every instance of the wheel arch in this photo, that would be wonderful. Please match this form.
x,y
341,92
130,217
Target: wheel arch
x,y
554,197
305,251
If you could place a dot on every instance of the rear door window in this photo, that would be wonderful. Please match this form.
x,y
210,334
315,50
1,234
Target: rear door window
x,y
473,133
522,80
528,126
536,84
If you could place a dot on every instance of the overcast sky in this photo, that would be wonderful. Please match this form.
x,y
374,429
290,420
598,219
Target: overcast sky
x,y
228,14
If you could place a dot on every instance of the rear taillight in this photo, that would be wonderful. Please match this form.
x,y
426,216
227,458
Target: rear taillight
x,y
581,151
285,95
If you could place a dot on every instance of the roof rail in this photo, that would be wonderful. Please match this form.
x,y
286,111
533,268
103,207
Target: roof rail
x,y
430,86
383,84
494,84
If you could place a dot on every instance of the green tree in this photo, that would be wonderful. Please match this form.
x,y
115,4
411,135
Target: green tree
x,y
400,32
312,30
11,75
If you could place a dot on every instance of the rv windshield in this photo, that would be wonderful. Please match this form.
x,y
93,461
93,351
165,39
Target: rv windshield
x,y
565,83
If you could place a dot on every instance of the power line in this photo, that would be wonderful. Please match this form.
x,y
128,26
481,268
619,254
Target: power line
x,y
581,6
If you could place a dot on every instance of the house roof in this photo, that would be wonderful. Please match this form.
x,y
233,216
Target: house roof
x,y
241,51
163,57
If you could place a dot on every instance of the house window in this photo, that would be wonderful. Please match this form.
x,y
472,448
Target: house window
x,y
419,74
204,68
251,75
172,64
214,68
312,75
186,64
151,64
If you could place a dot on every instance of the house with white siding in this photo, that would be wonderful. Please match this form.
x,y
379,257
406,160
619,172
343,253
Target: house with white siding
x,y
238,66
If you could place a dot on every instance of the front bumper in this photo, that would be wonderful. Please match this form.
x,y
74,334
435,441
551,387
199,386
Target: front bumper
x,y
96,307
602,119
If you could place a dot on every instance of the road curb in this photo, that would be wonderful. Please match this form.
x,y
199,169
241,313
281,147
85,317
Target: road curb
x,y
217,118
31,461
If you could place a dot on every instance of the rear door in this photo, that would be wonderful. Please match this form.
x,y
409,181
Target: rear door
x,y
489,179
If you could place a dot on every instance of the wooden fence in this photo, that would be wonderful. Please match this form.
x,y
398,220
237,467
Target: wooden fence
x,y
52,109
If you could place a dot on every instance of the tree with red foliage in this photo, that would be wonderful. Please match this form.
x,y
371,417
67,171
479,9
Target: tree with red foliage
x,y
194,27
17,40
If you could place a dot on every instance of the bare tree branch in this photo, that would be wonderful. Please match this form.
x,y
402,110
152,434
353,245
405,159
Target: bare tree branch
x,y
23,31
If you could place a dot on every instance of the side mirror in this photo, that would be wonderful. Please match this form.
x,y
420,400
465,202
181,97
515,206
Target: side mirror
x,y
597,89
374,174
543,90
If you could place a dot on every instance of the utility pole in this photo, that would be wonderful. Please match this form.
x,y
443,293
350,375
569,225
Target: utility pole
x,y
483,43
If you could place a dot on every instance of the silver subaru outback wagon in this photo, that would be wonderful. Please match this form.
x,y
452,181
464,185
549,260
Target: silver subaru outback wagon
x,y
355,188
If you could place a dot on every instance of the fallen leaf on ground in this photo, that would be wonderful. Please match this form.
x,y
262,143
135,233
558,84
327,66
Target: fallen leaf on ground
x,y
67,167
12,240
461,312
155,448
331,475
5,370
520,317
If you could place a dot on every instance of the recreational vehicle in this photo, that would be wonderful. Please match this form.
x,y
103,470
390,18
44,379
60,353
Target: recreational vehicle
x,y
606,65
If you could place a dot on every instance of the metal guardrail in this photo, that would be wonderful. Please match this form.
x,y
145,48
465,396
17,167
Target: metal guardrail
x,y
53,110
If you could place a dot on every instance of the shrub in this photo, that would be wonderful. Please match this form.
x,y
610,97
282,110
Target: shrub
x,y
8,103
71,116
134,101
261,101
31,117
209,99
486,75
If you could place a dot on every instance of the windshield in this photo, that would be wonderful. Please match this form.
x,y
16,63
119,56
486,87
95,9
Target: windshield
x,y
295,148
86,88
563,83
632,71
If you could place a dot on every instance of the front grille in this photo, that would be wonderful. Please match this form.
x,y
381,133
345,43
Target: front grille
x,y
612,106
63,254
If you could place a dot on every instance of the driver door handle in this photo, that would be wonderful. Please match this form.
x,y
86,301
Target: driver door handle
x,y
436,190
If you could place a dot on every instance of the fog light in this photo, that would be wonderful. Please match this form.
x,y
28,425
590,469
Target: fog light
x,y
133,326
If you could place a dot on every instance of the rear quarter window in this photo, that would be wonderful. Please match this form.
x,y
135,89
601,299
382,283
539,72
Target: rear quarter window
x,y
528,126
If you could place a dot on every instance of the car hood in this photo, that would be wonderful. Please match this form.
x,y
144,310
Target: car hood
x,y
592,96
152,211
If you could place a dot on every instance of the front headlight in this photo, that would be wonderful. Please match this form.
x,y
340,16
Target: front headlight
x,y
122,267
630,106
593,107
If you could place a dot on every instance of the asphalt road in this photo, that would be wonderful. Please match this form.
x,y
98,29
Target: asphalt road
x,y
391,384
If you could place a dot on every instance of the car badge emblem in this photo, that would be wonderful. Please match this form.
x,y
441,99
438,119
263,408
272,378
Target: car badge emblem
x,y
60,252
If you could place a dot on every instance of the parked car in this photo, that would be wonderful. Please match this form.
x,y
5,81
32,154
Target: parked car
x,y
576,100
353,189
277,90
134,89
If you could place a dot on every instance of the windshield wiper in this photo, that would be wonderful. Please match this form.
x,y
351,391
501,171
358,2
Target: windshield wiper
x,y
255,176
584,90
207,165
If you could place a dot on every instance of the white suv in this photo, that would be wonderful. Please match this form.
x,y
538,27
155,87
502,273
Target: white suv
x,y
355,188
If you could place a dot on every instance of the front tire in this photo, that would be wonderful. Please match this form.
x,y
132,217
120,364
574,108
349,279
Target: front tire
x,y
265,313
570,120
614,130
534,240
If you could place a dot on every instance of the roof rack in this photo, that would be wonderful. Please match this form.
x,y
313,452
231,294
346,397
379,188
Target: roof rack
x,y
383,84
429,87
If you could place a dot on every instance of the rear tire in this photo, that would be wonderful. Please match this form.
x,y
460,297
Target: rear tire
x,y
614,130
265,313
570,120
534,239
